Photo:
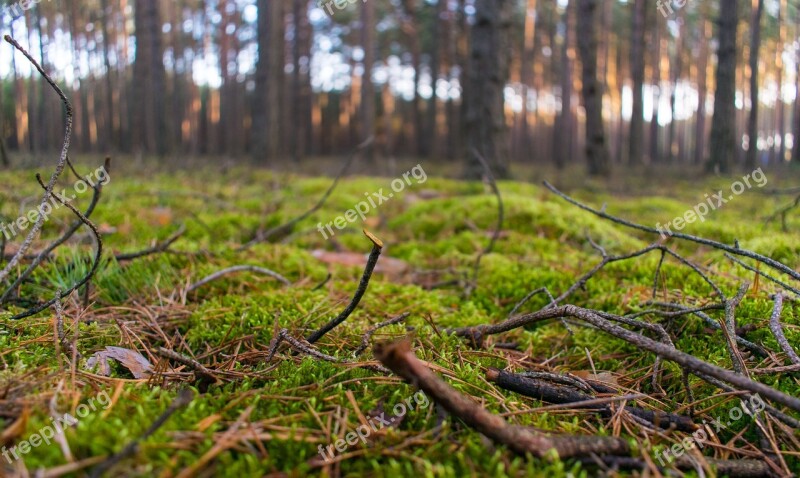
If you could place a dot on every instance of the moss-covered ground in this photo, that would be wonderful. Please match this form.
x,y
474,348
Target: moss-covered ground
x,y
268,418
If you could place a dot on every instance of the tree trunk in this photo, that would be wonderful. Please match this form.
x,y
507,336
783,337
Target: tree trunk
x,y
752,120
562,134
596,149
149,79
636,139
528,62
655,150
368,91
702,92
486,130
723,124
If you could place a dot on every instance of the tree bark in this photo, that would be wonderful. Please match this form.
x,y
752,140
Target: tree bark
x,y
752,120
368,99
723,124
636,139
149,79
596,149
486,129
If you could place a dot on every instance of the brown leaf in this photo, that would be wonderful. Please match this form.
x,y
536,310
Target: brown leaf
x,y
139,366
386,265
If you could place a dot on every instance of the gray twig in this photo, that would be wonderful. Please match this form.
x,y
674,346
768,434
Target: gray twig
x,y
777,330
231,270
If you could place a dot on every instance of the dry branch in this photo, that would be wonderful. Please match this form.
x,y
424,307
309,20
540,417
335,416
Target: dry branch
x,y
777,330
231,270
157,249
377,247
369,333
85,279
699,240
59,166
561,394
500,218
693,364
265,236
400,359
97,189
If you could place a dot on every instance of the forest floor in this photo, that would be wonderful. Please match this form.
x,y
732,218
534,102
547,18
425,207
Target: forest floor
x,y
254,415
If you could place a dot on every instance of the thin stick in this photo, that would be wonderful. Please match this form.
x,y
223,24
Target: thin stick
x,y
699,240
158,248
763,274
777,330
308,349
377,246
231,270
95,264
263,237
369,333
199,369
59,166
97,191
500,218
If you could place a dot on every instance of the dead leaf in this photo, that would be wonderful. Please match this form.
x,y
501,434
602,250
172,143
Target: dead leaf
x,y
386,265
139,366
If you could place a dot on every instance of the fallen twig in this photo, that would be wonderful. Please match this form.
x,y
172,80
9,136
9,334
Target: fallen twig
x,y
777,330
369,333
308,349
377,246
200,370
231,270
697,366
265,236
560,394
500,218
158,248
400,359
699,240
95,264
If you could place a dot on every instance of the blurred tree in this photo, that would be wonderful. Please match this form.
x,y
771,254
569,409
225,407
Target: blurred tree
x,y
752,121
596,148
148,80
490,46
636,138
723,124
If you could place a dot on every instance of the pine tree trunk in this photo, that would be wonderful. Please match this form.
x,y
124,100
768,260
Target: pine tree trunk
x,y
596,148
723,124
752,120
486,129
636,139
